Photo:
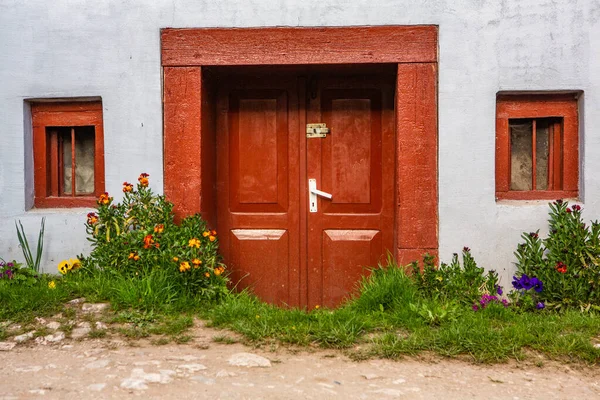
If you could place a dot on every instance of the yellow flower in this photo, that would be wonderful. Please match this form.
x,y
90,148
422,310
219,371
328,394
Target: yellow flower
x,y
63,267
206,274
211,238
196,262
136,257
219,271
51,285
194,243
131,255
127,187
143,179
74,263
439,278
175,259
104,199
159,228
205,234
317,307
184,266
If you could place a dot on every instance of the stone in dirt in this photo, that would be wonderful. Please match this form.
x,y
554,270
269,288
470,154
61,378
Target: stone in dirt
x,y
189,368
82,330
134,384
100,325
203,379
224,374
248,360
54,338
53,325
7,346
76,302
96,387
94,308
40,321
98,364
24,337
370,376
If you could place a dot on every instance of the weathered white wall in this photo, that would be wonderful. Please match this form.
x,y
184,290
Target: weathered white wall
x,y
111,49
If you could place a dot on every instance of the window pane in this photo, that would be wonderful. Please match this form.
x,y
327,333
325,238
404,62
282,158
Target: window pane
x,y
521,164
542,149
84,160
67,161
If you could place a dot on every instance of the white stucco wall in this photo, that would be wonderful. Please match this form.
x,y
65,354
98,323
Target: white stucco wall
x,y
111,49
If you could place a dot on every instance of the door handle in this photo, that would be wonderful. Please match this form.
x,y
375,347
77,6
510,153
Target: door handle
x,y
313,192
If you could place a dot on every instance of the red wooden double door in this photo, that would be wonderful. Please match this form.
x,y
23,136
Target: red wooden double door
x,y
270,238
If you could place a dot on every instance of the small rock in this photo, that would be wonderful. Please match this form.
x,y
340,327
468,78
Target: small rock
x,y
54,338
33,368
97,387
24,337
203,379
139,373
95,308
14,327
187,358
224,374
53,325
38,391
7,346
100,325
248,360
166,375
134,384
370,376
76,302
93,352
399,381
597,345
40,321
98,364
189,368
82,330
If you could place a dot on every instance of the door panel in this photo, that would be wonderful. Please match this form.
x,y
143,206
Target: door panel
x,y
260,253
355,163
346,256
257,180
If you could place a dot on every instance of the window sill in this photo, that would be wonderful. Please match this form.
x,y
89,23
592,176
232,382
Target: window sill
x,y
549,195
65,202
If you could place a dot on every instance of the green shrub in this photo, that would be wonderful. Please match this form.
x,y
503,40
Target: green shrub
x,y
138,236
13,273
567,263
464,283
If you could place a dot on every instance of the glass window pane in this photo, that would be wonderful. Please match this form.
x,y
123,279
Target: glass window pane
x,y
67,166
84,160
542,149
521,165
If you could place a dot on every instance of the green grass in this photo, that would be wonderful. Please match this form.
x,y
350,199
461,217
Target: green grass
x,y
388,318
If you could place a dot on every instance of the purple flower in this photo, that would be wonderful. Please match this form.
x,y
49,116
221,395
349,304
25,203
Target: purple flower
x,y
522,283
10,265
499,290
505,302
536,284
540,305
475,307
517,283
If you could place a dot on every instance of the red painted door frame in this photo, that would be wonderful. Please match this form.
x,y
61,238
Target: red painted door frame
x,y
189,109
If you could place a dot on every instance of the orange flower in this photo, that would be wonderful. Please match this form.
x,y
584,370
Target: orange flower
x,y
136,257
127,187
219,271
92,218
157,245
143,179
196,262
206,274
175,259
104,199
159,228
212,238
131,255
184,266
213,232
205,234
194,243
148,241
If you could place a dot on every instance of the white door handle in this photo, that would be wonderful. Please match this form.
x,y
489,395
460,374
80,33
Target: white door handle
x,y
313,192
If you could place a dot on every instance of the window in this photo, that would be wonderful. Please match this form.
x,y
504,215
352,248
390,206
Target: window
x,y
537,146
68,150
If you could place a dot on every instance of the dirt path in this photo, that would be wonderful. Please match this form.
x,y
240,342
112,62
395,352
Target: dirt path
x,y
110,369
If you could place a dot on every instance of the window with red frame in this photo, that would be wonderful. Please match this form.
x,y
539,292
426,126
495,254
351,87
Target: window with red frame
x,y
68,146
537,146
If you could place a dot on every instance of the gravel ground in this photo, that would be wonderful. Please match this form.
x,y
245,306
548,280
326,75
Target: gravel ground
x,y
111,369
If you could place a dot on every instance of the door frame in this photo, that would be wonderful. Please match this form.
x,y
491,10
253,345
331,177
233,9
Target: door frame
x,y
189,109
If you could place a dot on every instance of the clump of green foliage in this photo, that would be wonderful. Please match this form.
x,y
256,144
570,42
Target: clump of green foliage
x,y
464,283
138,236
566,263
14,273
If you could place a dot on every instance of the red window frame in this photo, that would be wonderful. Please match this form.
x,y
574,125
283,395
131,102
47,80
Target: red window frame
x,y
46,159
564,150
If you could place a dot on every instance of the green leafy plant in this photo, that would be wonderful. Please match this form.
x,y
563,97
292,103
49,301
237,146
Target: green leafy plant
x,y
434,313
31,261
567,262
138,236
463,282
13,273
